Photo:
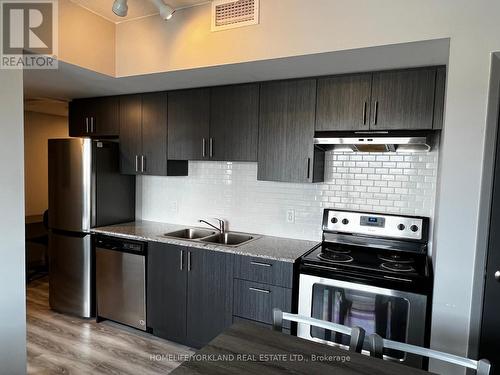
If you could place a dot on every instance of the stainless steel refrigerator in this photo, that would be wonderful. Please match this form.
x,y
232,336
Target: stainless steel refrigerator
x,y
86,190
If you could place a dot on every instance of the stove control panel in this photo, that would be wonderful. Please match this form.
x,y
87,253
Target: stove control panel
x,y
391,226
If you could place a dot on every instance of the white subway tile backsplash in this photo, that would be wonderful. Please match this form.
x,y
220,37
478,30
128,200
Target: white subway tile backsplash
x,y
388,182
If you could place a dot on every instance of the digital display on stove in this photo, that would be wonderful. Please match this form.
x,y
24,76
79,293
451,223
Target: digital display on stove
x,y
372,221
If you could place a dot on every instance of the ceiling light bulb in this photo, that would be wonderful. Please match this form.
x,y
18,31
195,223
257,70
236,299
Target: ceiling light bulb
x,y
120,8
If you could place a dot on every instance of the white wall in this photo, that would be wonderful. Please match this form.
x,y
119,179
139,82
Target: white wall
x,y
296,27
86,39
487,186
379,182
38,128
12,292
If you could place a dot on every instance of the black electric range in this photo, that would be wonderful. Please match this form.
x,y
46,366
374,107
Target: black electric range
x,y
372,271
384,250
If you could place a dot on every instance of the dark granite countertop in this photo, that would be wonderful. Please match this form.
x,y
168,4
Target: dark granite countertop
x,y
278,248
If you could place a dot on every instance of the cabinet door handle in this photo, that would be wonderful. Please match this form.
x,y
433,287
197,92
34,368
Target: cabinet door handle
x,y
137,163
259,290
203,148
86,124
182,260
364,113
261,264
143,164
189,260
92,124
211,147
308,167
375,113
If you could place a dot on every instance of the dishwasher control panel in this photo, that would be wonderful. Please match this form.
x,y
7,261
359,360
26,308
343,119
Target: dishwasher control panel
x,y
118,244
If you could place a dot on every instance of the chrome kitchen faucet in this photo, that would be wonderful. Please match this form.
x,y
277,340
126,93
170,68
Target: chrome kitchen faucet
x,y
221,227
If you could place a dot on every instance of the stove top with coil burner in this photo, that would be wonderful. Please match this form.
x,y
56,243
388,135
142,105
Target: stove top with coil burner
x,y
372,247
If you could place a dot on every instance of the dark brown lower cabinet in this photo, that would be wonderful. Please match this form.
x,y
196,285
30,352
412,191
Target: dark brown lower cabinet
x,y
189,293
209,297
256,301
237,319
262,270
166,291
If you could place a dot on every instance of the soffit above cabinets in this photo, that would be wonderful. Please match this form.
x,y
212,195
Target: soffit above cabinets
x,y
47,106
136,8
71,81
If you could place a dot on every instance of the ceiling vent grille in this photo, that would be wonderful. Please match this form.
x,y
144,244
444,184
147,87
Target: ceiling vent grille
x,y
228,14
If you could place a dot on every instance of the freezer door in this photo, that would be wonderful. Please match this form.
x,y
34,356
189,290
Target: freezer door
x,y
70,274
70,162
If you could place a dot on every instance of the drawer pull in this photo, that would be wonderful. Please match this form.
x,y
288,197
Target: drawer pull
x,y
261,264
259,290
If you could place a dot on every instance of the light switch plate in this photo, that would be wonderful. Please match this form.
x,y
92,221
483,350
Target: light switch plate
x,y
290,216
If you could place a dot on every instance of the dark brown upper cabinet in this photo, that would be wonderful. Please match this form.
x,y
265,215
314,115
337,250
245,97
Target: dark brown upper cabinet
x,y
286,132
130,133
95,117
188,124
439,97
403,100
234,123
410,99
143,136
219,123
343,102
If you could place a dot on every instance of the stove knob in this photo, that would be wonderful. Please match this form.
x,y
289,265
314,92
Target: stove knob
x,y
345,221
401,227
413,228
334,220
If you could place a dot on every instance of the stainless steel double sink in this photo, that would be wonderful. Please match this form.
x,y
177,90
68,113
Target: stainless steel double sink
x,y
210,236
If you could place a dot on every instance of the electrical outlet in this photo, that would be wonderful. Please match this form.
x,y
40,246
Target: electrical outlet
x,y
290,216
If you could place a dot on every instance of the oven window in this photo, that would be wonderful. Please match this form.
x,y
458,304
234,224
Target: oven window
x,y
384,315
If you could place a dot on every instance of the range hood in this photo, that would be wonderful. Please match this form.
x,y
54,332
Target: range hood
x,y
380,141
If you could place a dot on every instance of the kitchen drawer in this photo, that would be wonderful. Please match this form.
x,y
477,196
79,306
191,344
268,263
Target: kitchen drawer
x,y
264,270
237,319
256,301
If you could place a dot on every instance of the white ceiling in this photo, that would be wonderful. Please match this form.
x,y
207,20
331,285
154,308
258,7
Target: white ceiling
x,y
136,8
71,81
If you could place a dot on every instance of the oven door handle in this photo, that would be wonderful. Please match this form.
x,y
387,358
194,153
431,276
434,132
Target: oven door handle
x,y
353,275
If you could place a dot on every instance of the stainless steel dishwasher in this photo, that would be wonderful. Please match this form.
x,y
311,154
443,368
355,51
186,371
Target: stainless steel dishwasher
x,y
121,281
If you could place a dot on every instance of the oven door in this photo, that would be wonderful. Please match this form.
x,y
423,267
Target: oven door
x,y
394,315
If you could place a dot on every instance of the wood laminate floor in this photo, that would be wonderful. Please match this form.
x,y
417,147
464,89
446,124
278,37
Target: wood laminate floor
x,y
61,344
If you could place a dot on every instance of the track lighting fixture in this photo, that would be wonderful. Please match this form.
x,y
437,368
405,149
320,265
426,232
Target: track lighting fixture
x,y
166,11
120,8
